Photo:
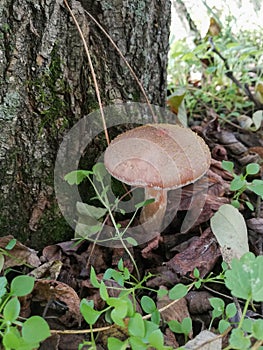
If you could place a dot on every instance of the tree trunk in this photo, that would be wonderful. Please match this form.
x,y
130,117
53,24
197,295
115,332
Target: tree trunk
x,y
46,86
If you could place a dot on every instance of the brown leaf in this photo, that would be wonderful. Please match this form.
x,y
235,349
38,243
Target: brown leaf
x,y
256,224
198,302
202,253
19,254
50,291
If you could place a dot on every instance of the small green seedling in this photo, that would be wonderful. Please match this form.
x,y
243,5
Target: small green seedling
x,y
240,184
185,327
15,334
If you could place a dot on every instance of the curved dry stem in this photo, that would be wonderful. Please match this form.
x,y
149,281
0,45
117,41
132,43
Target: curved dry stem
x,y
92,72
127,64
152,214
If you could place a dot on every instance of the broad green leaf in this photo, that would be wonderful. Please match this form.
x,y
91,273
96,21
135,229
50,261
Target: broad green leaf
x,y
187,325
229,166
90,315
89,210
231,310
22,285
237,183
77,176
223,326
99,171
229,227
156,339
245,279
175,326
131,241
238,340
11,310
35,330
257,187
116,344
148,304
136,326
137,344
252,168
11,338
218,306
178,291
257,329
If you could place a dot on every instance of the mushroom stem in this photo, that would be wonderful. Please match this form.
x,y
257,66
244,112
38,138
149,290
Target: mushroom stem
x,y
152,214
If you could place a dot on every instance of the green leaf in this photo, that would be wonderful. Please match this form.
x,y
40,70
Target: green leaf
x,y
245,279
2,262
90,315
257,187
231,310
131,241
156,317
228,166
238,340
99,171
223,326
148,304
35,330
178,291
22,285
11,338
186,325
237,183
144,203
249,205
175,326
218,305
196,273
89,210
156,339
76,177
116,344
162,292
10,245
103,291
137,344
11,310
229,227
257,329
93,278
3,283
252,169
136,326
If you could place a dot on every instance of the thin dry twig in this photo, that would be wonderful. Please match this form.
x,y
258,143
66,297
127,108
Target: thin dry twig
x,y
127,64
92,71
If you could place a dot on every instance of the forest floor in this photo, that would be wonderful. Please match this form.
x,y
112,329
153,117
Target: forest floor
x,y
62,270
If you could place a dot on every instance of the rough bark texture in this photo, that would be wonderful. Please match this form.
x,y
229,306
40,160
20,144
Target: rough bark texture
x,y
46,87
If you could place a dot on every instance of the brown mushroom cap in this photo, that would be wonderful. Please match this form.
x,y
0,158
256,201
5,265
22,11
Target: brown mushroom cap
x,y
161,156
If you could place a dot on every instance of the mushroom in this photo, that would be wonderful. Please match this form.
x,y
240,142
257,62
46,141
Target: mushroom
x,y
157,157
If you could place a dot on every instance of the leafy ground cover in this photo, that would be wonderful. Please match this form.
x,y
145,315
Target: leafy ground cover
x,y
197,289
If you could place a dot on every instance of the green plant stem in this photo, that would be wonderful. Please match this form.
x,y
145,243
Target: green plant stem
x,y
244,313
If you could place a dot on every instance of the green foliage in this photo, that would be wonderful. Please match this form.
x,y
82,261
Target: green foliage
x,y
199,70
14,333
240,184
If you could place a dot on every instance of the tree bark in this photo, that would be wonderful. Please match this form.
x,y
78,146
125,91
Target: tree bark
x,y
46,86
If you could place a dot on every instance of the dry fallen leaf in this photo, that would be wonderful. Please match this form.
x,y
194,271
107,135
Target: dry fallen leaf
x,y
19,254
201,253
48,292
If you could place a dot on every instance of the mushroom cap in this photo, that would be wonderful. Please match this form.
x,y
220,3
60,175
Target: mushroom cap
x,y
161,156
